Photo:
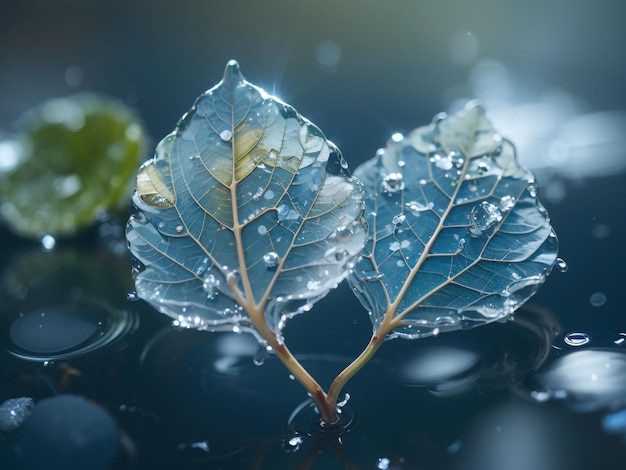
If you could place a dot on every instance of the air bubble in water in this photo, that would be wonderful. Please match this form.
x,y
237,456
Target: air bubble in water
x,y
226,135
271,259
577,339
483,217
561,265
597,299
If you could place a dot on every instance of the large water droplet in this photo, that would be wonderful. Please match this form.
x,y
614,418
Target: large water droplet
x,y
271,259
392,183
577,339
226,135
483,217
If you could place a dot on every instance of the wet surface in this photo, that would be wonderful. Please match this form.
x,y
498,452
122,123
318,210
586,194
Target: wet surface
x,y
544,391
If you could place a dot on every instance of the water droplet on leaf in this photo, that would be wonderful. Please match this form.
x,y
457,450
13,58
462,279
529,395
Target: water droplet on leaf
x,y
483,217
271,259
392,183
226,135
343,234
398,219
210,284
506,203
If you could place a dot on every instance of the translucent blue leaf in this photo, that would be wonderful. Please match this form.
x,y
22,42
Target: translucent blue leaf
x,y
245,208
457,235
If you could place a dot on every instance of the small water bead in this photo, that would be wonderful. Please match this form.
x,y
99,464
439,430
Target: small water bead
x,y
397,137
341,255
210,284
506,203
48,242
483,217
372,276
203,266
261,355
577,339
313,285
398,219
392,183
383,463
271,259
226,135
132,296
262,230
561,265
415,206
442,162
532,189
292,444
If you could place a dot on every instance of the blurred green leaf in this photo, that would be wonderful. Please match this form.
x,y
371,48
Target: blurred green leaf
x,y
457,235
246,209
70,159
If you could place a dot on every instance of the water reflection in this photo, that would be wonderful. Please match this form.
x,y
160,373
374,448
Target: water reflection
x,y
587,380
62,304
454,364
555,134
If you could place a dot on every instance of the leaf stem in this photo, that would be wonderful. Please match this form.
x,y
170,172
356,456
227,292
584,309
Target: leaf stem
x,y
327,410
344,376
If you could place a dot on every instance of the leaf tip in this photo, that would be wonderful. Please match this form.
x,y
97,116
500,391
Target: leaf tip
x,y
232,73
